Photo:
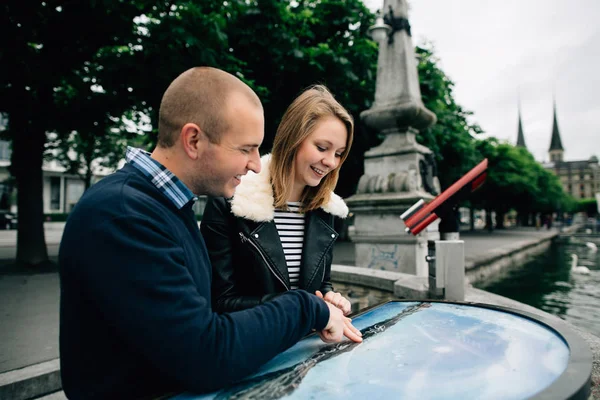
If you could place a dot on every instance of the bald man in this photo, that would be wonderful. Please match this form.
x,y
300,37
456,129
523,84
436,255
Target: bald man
x,y
136,318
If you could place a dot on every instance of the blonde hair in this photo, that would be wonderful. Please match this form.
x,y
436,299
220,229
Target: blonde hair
x,y
298,122
199,95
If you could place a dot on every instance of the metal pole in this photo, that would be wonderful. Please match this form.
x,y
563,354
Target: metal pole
x,y
446,259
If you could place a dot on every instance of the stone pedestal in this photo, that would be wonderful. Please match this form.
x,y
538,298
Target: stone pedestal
x,y
399,171
380,240
404,255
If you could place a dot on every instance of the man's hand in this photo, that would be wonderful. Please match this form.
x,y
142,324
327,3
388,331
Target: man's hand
x,y
339,326
337,300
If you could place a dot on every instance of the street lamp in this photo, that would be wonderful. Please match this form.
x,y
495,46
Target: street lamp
x,y
387,26
380,30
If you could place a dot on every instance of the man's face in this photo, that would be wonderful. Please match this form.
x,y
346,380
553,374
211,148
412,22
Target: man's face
x,y
222,165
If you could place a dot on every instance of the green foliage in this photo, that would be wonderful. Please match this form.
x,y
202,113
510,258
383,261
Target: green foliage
x,y
516,181
588,206
47,51
451,138
80,70
277,47
167,42
570,205
290,46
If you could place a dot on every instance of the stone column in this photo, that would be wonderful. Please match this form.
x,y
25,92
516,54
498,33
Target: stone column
x,y
399,171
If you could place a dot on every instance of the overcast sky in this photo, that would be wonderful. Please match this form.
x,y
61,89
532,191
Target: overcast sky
x,y
495,51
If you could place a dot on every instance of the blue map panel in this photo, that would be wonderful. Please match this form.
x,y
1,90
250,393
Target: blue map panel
x,y
415,350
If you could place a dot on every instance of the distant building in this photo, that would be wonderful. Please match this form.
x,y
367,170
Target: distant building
x,y
581,179
556,150
5,185
520,134
61,191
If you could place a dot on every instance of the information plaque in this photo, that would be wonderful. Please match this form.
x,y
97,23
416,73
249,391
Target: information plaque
x,y
428,350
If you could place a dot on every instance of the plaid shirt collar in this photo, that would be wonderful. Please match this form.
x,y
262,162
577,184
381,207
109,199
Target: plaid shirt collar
x,y
161,177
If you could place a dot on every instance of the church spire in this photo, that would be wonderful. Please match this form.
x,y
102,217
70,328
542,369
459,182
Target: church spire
x,y
556,148
520,135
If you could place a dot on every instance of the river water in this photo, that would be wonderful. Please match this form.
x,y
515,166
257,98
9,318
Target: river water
x,y
547,282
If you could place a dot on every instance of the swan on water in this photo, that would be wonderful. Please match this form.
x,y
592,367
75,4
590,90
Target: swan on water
x,y
577,268
591,246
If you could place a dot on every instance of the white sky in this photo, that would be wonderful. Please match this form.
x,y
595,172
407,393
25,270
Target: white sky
x,y
495,51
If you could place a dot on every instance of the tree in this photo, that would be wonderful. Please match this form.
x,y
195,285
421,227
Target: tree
x,y
44,44
451,138
508,179
72,69
98,135
290,46
516,181
85,152
588,206
166,43
278,48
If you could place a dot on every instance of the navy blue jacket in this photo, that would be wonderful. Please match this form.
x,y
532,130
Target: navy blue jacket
x,y
136,318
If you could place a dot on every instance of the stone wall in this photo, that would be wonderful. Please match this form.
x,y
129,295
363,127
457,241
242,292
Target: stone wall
x,y
366,287
362,297
496,263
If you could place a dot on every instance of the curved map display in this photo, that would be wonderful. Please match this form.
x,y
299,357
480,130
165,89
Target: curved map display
x,y
416,350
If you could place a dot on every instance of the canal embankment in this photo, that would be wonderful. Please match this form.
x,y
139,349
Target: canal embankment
x,y
487,263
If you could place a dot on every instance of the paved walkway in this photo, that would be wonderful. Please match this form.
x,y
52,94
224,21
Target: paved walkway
x,y
29,301
28,306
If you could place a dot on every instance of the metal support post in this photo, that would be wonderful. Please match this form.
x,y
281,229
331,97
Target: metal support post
x,y
446,260
436,274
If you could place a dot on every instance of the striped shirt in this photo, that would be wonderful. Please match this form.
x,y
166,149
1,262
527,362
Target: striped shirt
x,y
290,225
161,177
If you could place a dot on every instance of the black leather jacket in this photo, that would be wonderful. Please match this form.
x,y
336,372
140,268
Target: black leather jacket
x,y
248,262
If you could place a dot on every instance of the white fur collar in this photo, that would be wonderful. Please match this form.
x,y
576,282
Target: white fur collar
x,y
253,198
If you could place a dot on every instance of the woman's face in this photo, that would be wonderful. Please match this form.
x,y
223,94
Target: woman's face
x,y
320,153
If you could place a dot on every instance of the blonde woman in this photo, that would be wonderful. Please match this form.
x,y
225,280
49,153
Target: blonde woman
x,y
276,233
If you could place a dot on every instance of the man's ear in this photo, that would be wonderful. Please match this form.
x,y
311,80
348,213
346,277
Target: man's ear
x,y
193,139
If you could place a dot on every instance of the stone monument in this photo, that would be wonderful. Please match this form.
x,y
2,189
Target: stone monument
x,y
399,171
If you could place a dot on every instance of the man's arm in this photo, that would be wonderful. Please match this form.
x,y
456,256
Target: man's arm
x,y
136,275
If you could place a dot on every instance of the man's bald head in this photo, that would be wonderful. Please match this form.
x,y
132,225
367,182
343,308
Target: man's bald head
x,y
199,96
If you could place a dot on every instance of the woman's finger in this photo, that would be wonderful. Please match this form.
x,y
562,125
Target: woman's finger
x,y
352,333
